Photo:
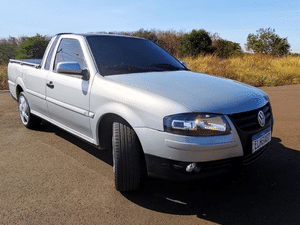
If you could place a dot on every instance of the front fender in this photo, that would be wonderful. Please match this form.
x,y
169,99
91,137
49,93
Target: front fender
x,y
139,107
119,110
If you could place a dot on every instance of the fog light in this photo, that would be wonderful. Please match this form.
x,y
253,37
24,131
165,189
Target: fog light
x,y
193,168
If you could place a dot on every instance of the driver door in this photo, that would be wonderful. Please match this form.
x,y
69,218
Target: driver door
x,y
68,94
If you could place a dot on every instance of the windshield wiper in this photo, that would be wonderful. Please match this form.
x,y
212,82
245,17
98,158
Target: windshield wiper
x,y
166,66
124,69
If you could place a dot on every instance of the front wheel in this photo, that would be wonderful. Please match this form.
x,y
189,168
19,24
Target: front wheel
x,y
126,157
29,120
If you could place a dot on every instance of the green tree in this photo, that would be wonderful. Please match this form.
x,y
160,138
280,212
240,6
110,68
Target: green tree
x,y
32,48
6,52
226,49
266,41
195,43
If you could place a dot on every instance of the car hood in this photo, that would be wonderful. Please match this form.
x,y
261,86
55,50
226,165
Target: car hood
x,y
198,92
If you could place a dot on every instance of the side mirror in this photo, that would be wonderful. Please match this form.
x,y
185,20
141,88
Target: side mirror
x,y
69,67
184,64
72,68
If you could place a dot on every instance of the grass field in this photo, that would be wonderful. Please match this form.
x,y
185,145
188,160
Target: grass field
x,y
254,69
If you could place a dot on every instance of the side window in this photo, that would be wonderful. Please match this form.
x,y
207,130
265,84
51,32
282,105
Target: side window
x,y
49,57
69,50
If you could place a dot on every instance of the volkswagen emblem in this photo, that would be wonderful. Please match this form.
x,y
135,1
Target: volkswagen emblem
x,y
261,118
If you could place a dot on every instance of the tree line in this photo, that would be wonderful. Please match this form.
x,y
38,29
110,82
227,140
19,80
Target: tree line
x,y
179,44
22,47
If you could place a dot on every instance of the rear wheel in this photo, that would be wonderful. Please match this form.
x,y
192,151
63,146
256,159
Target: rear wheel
x,y
126,157
29,120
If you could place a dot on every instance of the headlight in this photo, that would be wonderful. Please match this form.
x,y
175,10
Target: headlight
x,y
191,124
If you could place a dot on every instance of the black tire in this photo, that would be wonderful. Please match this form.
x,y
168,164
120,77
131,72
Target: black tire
x,y
29,120
126,157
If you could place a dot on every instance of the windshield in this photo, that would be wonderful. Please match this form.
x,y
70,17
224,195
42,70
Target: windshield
x,y
122,55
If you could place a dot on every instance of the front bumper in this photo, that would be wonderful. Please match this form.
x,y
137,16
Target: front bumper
x,y
177,171
168,155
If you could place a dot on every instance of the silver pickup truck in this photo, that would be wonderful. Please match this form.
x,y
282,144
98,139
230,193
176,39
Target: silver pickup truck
x,y
129,95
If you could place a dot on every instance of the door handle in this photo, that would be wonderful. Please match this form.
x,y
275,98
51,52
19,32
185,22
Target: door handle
x,y
50,85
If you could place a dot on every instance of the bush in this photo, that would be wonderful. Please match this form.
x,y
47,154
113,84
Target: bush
x,y
169,40
32,48
195,43
226,49
146,35
6,52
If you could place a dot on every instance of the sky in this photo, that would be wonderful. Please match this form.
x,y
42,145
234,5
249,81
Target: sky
x,y
232,20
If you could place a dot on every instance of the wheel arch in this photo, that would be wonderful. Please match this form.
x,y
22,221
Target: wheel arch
x,y
19,89
104,131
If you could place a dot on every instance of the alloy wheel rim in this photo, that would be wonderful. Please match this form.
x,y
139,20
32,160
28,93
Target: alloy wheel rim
x,y
23,110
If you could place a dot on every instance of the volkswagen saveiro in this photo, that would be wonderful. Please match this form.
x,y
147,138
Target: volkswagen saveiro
x,y
129,95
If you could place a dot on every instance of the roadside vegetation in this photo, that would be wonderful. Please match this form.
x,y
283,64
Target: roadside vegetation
x,y
269,62
3,78
253,69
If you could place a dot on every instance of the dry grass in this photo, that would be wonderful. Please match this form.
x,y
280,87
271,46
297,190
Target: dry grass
x,y
3,78
254,69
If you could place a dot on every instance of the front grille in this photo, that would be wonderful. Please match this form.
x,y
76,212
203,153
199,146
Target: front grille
x,y
246,124
248,121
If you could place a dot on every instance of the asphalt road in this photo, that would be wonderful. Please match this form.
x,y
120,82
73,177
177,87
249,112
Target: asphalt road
x,y
47,176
